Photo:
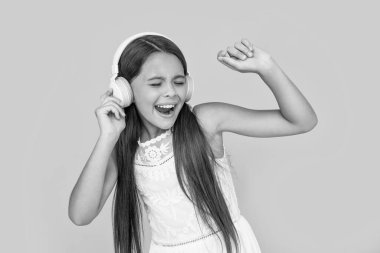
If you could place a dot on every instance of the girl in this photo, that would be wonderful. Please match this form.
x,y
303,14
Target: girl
x,y
172,159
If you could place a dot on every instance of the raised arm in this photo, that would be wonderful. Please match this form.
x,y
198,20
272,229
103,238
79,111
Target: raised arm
x,y
295,115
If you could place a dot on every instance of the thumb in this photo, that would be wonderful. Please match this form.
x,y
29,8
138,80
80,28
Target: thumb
x,y
222,53
227,61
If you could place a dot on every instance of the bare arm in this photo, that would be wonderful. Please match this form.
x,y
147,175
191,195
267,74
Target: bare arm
x,y
293,105
295,115
89,193
110,180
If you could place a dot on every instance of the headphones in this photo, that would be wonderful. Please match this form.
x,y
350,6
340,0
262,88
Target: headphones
x,y
121,88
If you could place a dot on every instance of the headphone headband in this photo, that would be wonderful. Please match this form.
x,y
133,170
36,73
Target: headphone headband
x,y
120,49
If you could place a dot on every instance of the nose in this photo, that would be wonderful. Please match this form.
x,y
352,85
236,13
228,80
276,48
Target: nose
x,y
170,90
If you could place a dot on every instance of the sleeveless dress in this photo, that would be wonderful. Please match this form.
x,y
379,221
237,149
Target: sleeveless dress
x,y
172,216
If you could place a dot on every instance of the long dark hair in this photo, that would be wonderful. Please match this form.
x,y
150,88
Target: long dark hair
x,y
194,160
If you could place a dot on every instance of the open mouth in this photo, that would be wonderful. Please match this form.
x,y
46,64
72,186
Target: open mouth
x,y
165,110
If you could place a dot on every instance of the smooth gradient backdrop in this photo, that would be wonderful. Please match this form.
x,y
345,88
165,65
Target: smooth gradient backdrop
x,y
314,192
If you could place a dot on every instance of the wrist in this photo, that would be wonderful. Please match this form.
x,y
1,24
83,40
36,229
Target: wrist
x,y
268,67
108,138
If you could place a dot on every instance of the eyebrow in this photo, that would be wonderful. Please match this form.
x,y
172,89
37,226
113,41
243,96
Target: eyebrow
x,y
163,78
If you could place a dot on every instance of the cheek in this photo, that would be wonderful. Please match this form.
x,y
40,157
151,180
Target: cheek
x,y
182,92
143,107
144,100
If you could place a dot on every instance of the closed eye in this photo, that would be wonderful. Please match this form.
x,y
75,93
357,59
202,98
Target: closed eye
x,y
158,84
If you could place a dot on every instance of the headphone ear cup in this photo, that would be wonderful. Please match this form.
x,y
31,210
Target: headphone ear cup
x,y
190,88
122,90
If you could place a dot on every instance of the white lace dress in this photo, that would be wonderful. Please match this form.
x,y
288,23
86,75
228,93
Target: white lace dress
x,y
172,217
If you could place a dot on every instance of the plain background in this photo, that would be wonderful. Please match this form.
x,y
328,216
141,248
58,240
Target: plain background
x,y
315,192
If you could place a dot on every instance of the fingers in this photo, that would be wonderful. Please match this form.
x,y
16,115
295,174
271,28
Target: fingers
x,y
229,62
116,105
232,51
109,92
222,53
117,111
241,50
114,102
244,47
225,58
115,99
108,96
248,44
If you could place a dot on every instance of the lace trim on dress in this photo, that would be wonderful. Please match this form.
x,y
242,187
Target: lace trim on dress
x,y
154,140
153,165
154,155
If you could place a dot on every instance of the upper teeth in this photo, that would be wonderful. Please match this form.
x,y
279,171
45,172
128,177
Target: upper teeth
x,y
166,106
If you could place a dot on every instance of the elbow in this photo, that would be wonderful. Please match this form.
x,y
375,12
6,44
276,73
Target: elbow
x,y
314,122
310,125
79,221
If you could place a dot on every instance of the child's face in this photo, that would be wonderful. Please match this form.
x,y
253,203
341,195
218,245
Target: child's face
x,y
169,89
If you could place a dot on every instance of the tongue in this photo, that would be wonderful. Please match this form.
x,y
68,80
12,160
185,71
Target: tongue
x,y
162,110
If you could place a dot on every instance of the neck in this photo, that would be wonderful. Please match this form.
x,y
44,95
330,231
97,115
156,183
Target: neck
x,y
148,134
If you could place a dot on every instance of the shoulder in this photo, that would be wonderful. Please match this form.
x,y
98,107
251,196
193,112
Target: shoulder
x,y
206,114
